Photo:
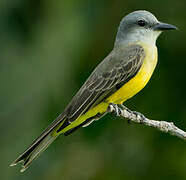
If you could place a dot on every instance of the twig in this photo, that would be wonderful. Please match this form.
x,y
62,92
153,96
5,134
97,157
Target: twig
x,y
136,117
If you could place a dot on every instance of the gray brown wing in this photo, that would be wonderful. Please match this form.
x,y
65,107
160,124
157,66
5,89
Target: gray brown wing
x,y
118,68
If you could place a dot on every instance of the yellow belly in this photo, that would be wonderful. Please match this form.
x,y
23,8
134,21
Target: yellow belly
x,y
140,80
128,90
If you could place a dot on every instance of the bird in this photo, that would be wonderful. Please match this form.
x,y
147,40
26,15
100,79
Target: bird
x,y
122,74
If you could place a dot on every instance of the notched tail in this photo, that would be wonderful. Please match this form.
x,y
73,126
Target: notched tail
x,y
39,145
28,156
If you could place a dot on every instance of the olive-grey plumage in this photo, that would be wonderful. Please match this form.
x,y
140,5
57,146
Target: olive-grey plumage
x,y
119,67
116,69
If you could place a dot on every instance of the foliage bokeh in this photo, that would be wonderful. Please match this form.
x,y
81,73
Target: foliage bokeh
x,y
48,49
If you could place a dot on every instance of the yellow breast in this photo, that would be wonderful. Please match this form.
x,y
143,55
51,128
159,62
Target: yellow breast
x,y
138,82
128,90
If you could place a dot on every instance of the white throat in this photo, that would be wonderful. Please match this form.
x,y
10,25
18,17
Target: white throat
x,y
144,35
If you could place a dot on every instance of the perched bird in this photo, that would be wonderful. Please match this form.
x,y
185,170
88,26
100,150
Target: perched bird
x,y
122,74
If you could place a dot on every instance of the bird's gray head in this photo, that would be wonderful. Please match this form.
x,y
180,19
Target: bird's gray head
x,y
140,26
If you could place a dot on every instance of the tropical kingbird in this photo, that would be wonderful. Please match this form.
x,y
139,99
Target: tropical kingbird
x,y
122,74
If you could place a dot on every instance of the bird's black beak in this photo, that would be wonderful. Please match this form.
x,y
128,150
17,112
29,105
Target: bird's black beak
x,y
164,26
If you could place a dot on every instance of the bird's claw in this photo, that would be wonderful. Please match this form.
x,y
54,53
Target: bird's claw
x,y
115,109
139,116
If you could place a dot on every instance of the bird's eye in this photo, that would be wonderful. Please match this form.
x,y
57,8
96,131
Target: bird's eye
x,y
141,23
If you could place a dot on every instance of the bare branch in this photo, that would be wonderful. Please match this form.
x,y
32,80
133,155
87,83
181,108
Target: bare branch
x,y
167,127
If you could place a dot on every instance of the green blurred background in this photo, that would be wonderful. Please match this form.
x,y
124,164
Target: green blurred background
x,y
48,49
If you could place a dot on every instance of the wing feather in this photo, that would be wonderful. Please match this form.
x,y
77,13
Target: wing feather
x,y
118,68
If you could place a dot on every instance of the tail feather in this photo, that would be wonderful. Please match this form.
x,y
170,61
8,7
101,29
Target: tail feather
x,y
42,146
39,145
29,156
47,137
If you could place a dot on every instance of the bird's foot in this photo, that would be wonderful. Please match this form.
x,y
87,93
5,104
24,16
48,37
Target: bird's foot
x,y
115,109
139,116
127,109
